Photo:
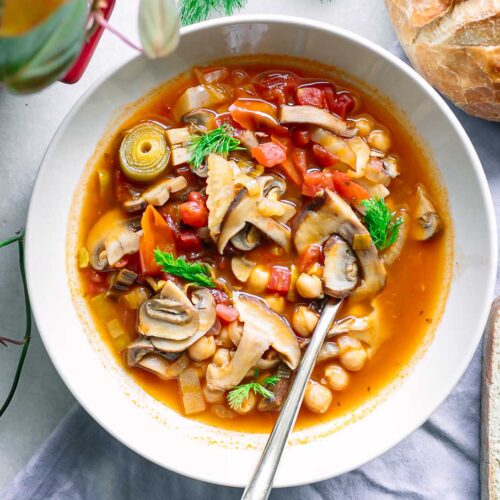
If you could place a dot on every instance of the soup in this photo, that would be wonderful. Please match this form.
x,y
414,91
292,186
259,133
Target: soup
x,y
227,209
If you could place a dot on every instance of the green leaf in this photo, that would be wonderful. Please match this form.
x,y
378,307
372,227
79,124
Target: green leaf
x,y
382,224
219,141
158,27
194,272
37,58
194,11
237,396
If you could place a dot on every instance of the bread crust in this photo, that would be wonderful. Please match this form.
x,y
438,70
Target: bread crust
x,y
455,45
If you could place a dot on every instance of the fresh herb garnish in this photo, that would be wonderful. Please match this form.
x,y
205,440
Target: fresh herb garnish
x,y
194,272
237,396
219,141
194,11
383,225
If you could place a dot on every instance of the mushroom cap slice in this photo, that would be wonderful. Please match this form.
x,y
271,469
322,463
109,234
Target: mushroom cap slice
x,y
247,239
220,190
170,315
205,306
111,238
341,272
332,215
428,221
141,347
316,116
262,328
243,210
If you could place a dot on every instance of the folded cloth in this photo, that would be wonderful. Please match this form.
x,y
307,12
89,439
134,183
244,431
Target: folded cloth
x,y
80,460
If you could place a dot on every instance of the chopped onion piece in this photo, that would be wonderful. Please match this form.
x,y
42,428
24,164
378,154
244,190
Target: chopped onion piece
x,y
192,397
121,338
83,258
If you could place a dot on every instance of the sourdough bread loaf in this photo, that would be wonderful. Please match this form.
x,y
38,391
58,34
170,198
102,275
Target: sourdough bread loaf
x,y
455,45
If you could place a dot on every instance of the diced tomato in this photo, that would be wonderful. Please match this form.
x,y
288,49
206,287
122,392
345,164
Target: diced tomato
x,y
310,96
96,288
121,263
122,187
310,256
301,137
187,241
277,87
253,113
194,212
329,96
344,104
314,182
299,159
219,296
156,233
226,314
97,277
324,157
280,279
269,154
226,118
348,189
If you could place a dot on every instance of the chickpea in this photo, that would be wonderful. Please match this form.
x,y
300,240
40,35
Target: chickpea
x,y
354,359
203,348
221,356
309,287
248,404
259,277
213,395
365,125
379,139
224,339
336,377
317,397
277,303
304,321
352,353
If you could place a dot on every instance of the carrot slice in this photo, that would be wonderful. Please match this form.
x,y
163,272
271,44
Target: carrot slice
x,y
156,234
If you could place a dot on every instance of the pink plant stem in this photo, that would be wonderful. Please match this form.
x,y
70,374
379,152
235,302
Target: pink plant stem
x,y
5,340
102,22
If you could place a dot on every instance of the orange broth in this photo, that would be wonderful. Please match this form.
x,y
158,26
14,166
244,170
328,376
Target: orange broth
x,y
410,303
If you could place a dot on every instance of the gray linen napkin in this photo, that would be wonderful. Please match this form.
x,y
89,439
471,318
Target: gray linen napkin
x,y
439,461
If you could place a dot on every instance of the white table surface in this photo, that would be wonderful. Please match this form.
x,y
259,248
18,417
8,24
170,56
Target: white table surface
x,y
27,124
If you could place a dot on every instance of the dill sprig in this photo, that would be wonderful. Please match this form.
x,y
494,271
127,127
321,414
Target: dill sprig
x,y
194,272
239,394
195,11
382,224
219,141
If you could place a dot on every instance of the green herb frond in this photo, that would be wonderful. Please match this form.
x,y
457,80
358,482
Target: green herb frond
x,y
194,272
219,141
195,11
382,224
239,394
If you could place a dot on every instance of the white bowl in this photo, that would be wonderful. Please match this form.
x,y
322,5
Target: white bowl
x,y
224,457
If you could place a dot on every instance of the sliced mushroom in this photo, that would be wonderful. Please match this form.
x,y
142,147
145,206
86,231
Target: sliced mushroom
x,y
170,315
394,251
316,116
279,390
262,329
111,238
335,145
220,190
428,221
243,210
247,239
156,195
340,273
205,306
332,215
141,347
202,120
241,268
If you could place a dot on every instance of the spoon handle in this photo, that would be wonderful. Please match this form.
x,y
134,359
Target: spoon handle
x,y
261,483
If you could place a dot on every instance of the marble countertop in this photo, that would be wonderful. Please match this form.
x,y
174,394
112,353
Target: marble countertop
x,y
27,124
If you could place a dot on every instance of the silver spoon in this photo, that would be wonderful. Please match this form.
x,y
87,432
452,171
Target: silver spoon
x,y
261,483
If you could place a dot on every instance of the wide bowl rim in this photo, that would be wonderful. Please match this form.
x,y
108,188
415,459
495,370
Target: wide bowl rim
x,y
437,100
